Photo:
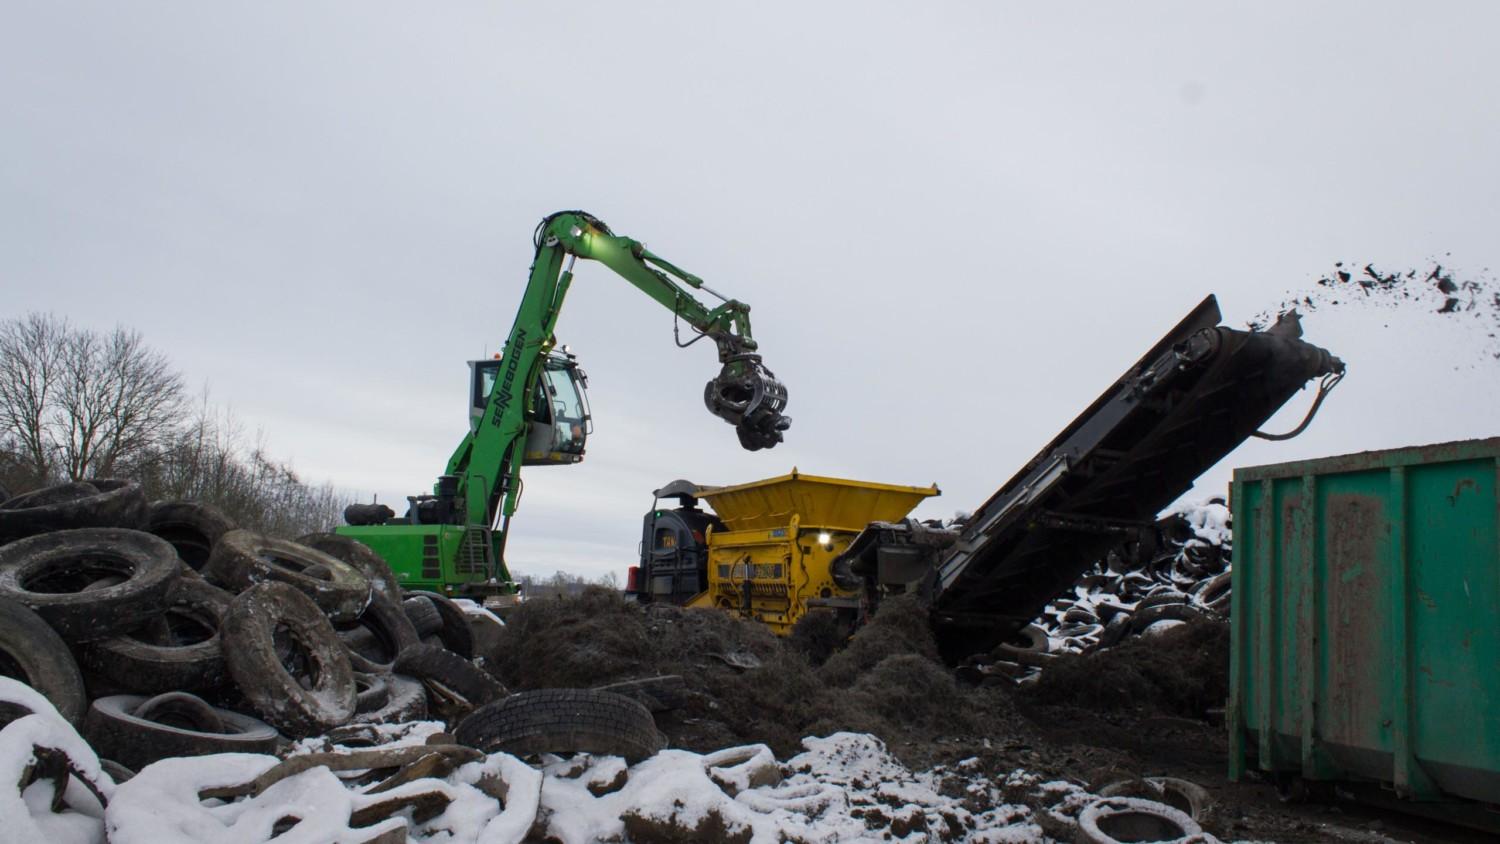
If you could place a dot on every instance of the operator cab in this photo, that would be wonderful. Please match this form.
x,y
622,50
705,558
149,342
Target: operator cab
x,y
559,408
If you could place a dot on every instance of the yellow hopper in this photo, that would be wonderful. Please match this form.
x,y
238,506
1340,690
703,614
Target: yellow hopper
x,y
772,564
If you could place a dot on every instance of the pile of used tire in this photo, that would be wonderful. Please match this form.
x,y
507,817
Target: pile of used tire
x,y
162,630
1140,588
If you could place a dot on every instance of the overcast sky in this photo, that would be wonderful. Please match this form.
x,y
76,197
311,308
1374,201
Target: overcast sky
x,y
957,222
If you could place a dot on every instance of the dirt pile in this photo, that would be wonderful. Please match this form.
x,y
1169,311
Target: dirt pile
x,y
1183,672
746,684
1434,289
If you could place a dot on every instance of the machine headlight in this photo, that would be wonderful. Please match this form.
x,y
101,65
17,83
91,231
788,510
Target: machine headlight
x,y
825,538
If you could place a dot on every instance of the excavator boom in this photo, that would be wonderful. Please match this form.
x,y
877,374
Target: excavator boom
x,y
528,408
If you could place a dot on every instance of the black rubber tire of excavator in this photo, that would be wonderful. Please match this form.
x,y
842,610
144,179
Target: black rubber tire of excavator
x,y
32,649
79,504
563,721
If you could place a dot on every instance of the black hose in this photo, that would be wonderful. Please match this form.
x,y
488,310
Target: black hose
x,y
1324,388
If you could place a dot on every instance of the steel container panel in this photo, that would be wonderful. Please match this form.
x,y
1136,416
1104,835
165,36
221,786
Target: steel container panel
x,y
1365,620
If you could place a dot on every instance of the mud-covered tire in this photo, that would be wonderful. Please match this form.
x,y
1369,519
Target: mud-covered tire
x,y
1115,630
1113,820
1160,598
451,671
361,556
32,652
56,574
117,772
179,650
273,630
563,721
1213,593
242,558
371,692
454,632
80,504
1165,612
115,731
406,701
657,694
191,528
375,641
1185,796
1032,638
422,612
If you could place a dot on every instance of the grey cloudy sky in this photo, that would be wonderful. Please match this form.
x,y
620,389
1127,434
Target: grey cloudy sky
x,y
956,222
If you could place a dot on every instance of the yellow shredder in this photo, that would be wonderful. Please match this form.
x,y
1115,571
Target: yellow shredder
x,y
772,562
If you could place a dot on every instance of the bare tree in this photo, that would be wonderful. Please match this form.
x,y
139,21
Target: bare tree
x,y
32,349
119,402
77,404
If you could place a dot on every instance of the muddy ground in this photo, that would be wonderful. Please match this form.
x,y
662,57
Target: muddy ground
x,y
1142,708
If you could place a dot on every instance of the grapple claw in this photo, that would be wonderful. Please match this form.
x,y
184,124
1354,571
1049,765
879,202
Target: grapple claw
x,y
747,395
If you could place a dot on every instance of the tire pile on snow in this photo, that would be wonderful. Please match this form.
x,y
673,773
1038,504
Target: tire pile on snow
x,y
411,783
162,630
1184,576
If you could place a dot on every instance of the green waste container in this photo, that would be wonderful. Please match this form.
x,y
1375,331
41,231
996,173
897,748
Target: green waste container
x,y
1366,621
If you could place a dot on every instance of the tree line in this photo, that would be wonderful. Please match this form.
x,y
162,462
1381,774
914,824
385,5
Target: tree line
x,y
77,404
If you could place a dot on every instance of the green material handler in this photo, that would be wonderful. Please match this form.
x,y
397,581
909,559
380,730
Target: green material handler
x,y
528,407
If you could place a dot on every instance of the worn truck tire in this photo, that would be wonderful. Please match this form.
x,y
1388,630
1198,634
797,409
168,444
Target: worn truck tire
x,y
1160,598
32,652
361,556
1168,612
378,637
563,721
191,528
274,638
1183,795
135,731
451,671
422,612
179,650
90,583
371,692
454,632
406,700
1115,820
242,558
80,504
1115,630
1213,593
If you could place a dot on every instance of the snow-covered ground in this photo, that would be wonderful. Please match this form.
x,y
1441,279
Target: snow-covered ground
x,y
841,788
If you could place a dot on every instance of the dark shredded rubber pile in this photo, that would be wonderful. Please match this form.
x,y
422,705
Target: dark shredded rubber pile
x,y
1183,671
887,680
